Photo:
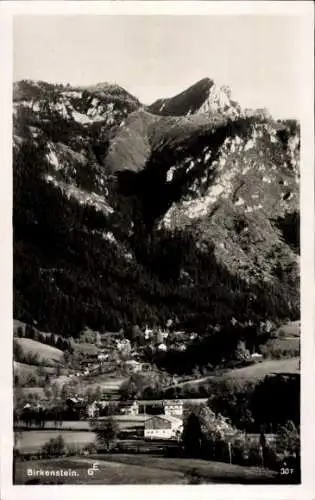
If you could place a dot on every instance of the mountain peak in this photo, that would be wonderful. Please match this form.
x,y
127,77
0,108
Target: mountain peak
x,y
203,96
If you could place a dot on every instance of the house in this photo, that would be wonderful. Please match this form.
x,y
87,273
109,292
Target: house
x,y
163,427
181,347
92,410
169,323
256,357
123,345
173,407
132,409
180,335
102,357
148,333
162,347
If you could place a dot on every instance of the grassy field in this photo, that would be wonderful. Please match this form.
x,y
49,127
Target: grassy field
x,y
32,441
84,348
251,373
45,352
23,370
282,347
39,391
260,370
291,329
124,422
142,469
106,384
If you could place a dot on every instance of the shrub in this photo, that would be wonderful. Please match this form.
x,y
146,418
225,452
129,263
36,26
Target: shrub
x,y
90,448
72,449
55,447
106,433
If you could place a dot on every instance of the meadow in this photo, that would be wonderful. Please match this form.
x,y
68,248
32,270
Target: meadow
x,y
46,353
31,441
259,371
142,469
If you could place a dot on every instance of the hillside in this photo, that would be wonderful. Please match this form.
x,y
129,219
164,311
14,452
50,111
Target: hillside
x,y
51,355
188,209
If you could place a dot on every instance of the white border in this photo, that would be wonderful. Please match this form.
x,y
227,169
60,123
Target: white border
x,y
303,8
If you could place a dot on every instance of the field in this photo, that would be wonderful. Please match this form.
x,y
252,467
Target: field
x,y
258,371
251,373
32,441
291,329
282,347
23,370
124,422
39,391
45,352
105,383
142,469
84,348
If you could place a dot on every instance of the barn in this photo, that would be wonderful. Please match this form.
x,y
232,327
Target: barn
x,y
163,427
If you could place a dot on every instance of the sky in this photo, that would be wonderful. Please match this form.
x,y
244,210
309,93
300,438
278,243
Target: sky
x,y
159,56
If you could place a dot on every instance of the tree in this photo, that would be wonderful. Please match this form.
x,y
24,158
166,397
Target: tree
x,y
55,447
47,390
242,354
98,393
18,353
192,435
135,333
288,439
128,390
40,371
106,433
20,332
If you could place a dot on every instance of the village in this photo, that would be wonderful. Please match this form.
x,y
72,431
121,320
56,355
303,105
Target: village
x,y
99,357
105,392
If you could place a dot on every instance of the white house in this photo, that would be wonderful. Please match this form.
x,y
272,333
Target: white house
x,y
132,409
173,407
124,346
255,356
148,333
92,410
162,347
163,334
163,427
102,357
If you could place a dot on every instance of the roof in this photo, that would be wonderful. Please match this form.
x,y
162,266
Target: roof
x,y
169,418
173,402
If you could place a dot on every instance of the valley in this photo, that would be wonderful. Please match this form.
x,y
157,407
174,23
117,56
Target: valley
x,y
156,286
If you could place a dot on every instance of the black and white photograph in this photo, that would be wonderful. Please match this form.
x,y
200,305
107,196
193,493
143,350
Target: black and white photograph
x,y
156,172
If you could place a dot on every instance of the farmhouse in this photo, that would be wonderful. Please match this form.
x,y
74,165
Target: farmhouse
x,y
163,427
123,346
148,333
92,410
162,347
102,356
131,408
173,407
256,357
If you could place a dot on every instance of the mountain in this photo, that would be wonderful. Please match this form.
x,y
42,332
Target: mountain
x,y
202,97
125,214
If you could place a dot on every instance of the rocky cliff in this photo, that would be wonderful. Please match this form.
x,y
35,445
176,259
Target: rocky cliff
x,y
125,214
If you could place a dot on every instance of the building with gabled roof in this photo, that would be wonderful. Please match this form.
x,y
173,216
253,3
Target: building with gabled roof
x,y
163,427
